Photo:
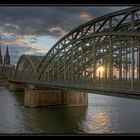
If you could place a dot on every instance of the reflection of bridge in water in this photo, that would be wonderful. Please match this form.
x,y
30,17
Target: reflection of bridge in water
x,y
102,54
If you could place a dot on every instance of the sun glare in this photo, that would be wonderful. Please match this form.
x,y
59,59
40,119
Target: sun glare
x,y
100,71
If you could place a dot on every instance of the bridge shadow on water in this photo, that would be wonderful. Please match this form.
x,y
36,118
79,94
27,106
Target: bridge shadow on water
x,y
49,119
103,115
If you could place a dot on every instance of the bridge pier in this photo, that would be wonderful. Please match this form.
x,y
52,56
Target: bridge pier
x,y
3,80
75,98
17,86
49,97
4,83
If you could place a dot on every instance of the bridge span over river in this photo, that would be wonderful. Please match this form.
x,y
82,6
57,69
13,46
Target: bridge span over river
x,y
102,55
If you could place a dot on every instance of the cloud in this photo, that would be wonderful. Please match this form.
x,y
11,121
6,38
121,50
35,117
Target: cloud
x,y
23,27
42,20
86,16
57,31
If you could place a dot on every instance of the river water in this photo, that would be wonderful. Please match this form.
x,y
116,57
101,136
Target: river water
x,y
104,114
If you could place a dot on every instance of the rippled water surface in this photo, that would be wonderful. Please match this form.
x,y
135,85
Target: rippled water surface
x,y
104,114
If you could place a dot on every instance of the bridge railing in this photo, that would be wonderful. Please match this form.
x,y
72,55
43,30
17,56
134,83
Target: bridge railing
x,y
98,83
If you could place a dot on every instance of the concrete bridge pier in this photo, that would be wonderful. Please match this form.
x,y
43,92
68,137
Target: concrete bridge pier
x,y
75,98
17,86
4,83
3,80
54,97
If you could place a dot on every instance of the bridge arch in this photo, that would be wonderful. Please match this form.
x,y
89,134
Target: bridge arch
x,y
111,41
103,52
26,68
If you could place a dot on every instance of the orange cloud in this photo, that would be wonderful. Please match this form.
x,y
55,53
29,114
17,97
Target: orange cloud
x,y
86,16
57,29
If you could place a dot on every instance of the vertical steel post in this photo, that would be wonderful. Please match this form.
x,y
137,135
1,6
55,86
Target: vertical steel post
x,y
68,72
48,72
72,68
64,65
105,63
138,63
120,63
94,57
110,55
132,52
126,64
132,62
94,60
53,70
83,75
58,68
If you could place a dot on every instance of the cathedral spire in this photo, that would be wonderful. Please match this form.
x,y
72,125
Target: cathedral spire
x,y
7,57
7,51
0,55
0,50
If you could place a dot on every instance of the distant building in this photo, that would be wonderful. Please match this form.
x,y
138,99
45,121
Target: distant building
x,y
0,56
7,57
5,66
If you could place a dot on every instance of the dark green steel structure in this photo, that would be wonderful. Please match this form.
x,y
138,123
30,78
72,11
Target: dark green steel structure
x,y
102,53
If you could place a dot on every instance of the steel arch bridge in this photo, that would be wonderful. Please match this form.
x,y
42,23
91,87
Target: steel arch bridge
x,y
27,67
102,53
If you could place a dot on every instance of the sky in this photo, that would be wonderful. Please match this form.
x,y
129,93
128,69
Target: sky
x,y
34,30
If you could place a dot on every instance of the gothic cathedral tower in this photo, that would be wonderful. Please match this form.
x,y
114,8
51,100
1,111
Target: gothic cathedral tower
x,y
7,57
0,56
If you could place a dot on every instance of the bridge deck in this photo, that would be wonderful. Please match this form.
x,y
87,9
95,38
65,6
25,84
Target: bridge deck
x,y
96,90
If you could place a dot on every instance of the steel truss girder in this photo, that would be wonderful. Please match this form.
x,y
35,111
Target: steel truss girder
x,y
76,56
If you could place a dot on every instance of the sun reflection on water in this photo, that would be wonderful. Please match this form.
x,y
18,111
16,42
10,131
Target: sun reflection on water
x,y
97,121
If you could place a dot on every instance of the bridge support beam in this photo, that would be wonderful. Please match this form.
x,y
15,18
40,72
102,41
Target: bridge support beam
x,y
53,97
17,87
